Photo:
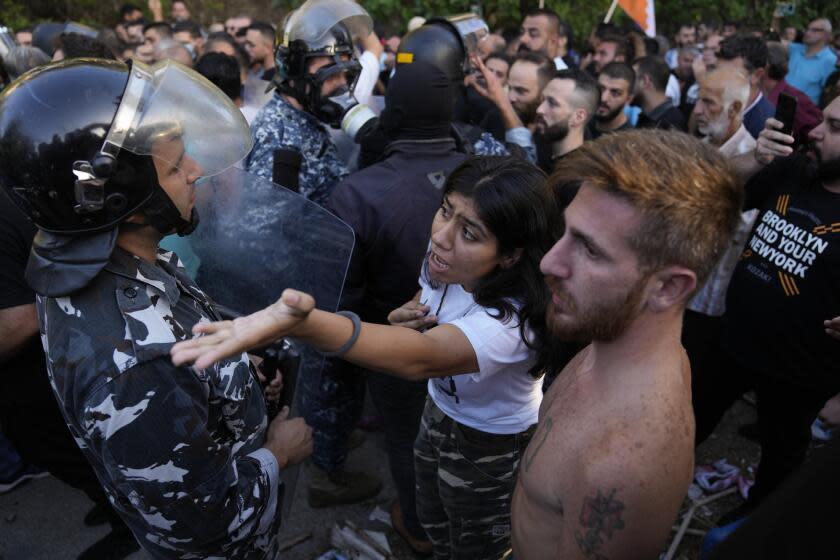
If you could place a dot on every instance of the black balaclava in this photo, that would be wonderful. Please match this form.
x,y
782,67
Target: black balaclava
x,y
418,104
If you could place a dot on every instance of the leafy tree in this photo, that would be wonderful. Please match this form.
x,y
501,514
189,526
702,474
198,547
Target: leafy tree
x,y
393,14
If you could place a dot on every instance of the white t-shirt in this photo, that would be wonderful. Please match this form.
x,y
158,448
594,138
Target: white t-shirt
x,y
500,398
672,90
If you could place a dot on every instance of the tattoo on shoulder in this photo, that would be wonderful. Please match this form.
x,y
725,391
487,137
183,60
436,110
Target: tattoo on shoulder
x,y
535,447
600,519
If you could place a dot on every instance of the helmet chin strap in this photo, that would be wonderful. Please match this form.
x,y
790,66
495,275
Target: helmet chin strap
x,y
162,214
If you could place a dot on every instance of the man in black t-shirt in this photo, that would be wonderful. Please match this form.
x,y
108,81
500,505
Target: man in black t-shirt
x,y
784,289
616,83
657,109
28,410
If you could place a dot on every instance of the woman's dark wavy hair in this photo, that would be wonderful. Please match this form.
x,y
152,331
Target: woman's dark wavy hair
x,y
513,201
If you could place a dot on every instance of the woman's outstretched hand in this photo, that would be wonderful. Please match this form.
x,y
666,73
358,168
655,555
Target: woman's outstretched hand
x,y
224,339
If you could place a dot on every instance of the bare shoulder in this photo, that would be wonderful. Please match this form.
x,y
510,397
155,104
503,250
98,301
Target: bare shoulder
x,y
636,474
609,463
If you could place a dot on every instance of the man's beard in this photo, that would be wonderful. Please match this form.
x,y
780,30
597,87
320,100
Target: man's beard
x,y
604,321
715,129
527,113
522,48
609,116
554,133
828,170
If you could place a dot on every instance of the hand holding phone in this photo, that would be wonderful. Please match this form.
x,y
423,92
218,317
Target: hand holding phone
x,y
785,112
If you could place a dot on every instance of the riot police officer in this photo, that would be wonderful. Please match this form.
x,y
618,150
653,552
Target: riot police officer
x,y
104,159
445,43
316,72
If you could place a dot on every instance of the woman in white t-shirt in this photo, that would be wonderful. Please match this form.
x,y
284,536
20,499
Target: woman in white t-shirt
x,y
481,340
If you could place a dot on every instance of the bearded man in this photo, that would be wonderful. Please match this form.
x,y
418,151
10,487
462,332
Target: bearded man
x,y
616,82
569,102
612,458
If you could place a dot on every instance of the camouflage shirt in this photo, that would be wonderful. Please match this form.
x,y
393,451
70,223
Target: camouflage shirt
x,y
486,145
280,126
177,450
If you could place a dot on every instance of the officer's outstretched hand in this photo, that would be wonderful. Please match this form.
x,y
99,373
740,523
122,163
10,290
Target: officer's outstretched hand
x,y
289,440
224,339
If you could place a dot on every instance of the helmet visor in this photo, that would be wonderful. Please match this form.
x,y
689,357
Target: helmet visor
x,y
315,18
168,102
472,30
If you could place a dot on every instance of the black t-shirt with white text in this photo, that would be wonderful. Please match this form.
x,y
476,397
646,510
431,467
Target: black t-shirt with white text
x,y
787,281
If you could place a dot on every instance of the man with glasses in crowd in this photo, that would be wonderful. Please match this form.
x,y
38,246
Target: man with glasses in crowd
x,y
812,61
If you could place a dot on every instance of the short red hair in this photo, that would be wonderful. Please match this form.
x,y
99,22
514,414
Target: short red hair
x,y
688,194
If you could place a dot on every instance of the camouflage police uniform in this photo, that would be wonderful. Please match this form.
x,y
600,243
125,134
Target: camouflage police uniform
x,y
177,450
280,126
487,145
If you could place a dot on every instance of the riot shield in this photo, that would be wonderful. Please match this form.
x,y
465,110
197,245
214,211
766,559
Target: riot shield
x,y
255,239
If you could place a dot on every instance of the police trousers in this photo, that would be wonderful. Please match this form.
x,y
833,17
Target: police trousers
x,y
463,496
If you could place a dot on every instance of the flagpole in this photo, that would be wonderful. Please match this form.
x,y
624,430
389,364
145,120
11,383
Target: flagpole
x,y
611,11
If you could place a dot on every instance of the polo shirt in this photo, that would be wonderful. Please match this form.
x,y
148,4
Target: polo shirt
x,y
809,73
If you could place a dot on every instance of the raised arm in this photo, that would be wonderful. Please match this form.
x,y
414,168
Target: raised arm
x,y
770,144
438,352
497,94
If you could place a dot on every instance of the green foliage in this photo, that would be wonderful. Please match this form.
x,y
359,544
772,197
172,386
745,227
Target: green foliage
x,y
13,14
394,14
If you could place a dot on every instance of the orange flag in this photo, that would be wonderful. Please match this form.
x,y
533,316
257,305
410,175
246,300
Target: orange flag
x,y
642,13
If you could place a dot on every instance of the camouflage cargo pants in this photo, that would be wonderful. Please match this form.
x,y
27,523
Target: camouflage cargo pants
x,y
465,481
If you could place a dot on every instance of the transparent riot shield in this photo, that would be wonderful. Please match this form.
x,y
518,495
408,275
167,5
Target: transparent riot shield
x,y
255,239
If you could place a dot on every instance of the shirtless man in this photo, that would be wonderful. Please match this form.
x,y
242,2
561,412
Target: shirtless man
x,y
613,454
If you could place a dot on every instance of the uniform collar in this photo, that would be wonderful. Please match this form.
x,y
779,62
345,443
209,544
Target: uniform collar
x,y
163,276
288,107
433,146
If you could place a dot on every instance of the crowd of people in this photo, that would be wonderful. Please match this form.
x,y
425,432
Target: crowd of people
x,y
570,256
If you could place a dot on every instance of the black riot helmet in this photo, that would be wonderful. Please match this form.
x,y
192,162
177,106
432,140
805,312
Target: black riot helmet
x,y
321,28
445,43
79,140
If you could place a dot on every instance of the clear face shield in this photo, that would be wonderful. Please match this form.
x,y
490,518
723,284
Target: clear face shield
x,y
313,21
178,117
168,103
472,29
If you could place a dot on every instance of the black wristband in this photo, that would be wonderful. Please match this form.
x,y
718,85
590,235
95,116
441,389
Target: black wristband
x,y
357,329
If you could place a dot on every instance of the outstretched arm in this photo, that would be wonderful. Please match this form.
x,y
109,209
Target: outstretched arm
x,y
441,351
